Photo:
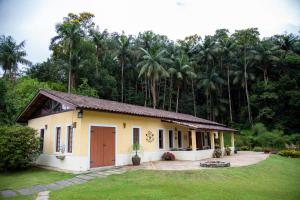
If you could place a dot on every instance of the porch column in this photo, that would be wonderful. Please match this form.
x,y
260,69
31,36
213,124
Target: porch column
x,y
232,139
212,139
194,146
221,135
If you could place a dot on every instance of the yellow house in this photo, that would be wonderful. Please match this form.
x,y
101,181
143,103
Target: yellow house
x,y
78,132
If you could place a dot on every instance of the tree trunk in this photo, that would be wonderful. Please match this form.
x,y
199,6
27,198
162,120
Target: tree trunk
x,y
265,76
153,89
122,81
246,88
229,94
146,91
194,99
207,107
170,94
177,98
164,99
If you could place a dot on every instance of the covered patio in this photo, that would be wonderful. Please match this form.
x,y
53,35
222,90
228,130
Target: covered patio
x,y
202,140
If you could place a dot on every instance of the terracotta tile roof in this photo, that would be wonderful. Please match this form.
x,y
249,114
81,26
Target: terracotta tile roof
x,y
112,106
201,126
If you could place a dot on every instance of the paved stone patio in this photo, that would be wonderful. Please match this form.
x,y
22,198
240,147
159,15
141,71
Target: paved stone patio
x,y
242,158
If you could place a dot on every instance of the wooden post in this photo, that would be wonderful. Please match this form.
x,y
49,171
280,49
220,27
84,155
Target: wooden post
x,y
221,135
194,145
232,139
212,139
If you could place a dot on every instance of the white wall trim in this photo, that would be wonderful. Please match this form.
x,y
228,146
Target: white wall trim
x,y
173,135
54,134
140,134
67,142
164,138
89,141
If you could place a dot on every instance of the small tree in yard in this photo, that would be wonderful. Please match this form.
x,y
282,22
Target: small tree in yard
x,y
19,147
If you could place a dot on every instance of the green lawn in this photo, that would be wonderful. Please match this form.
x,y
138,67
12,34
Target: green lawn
x,y
275,178
28,178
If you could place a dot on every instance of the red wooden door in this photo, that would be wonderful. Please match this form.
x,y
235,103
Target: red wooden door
x,y
102,148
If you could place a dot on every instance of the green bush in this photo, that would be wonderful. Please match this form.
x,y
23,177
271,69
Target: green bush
x,y
290,153
258,149
244,148
19,147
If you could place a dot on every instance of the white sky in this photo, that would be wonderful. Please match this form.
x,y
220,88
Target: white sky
x,y
34,20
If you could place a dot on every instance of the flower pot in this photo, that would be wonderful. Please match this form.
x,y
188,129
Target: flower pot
x,y
60,157
136,160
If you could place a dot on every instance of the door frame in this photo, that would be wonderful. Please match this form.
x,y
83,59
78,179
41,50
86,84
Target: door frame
x,y
89,141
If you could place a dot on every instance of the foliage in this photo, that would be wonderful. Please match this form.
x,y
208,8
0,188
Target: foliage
x,y
168,156
86,90
136,147
19,147
258,149
244,148
290,153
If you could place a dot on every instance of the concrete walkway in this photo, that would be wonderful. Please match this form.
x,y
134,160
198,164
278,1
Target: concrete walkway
x,y
242,158
43,190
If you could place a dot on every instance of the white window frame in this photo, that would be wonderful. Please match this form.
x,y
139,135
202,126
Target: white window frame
x,y
172,138
67,141
140,134
164,138
54,144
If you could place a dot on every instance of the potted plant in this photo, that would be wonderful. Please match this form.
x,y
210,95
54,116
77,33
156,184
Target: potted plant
x,y
136,160
61,155
227,151
217,153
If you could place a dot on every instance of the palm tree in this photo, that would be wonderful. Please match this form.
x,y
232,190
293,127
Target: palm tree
x,y
210,81
207,52
183,70
122,53
151,67
69,36
246,40
225,48
99,39
11,54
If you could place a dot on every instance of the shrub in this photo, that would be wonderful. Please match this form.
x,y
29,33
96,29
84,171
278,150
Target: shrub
x,y
217,153
290,153
19,147
244,148
227,151
258,149
267,150
168,156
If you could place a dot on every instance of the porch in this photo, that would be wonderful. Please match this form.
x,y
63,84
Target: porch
x,y
202,140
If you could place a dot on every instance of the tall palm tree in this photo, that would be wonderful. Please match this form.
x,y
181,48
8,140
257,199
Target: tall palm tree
x,y
11,54
210,81
69,36
99,39
183,72
152,67
225,48
123,51
246,40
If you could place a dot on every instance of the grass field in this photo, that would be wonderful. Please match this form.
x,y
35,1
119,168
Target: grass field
x,y
30,177
274,178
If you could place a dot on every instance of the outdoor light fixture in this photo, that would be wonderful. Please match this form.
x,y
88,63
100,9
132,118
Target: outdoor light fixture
x,y
46,126
74,124
124,125
80,114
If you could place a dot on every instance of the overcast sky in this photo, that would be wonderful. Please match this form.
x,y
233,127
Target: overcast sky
x,y
34,20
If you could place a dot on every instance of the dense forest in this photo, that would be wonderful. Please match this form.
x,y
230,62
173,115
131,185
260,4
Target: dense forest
x,y
238,79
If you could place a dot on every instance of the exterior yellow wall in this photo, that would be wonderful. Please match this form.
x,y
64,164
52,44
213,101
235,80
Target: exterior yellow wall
x,y
62,120
124,135
124,145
